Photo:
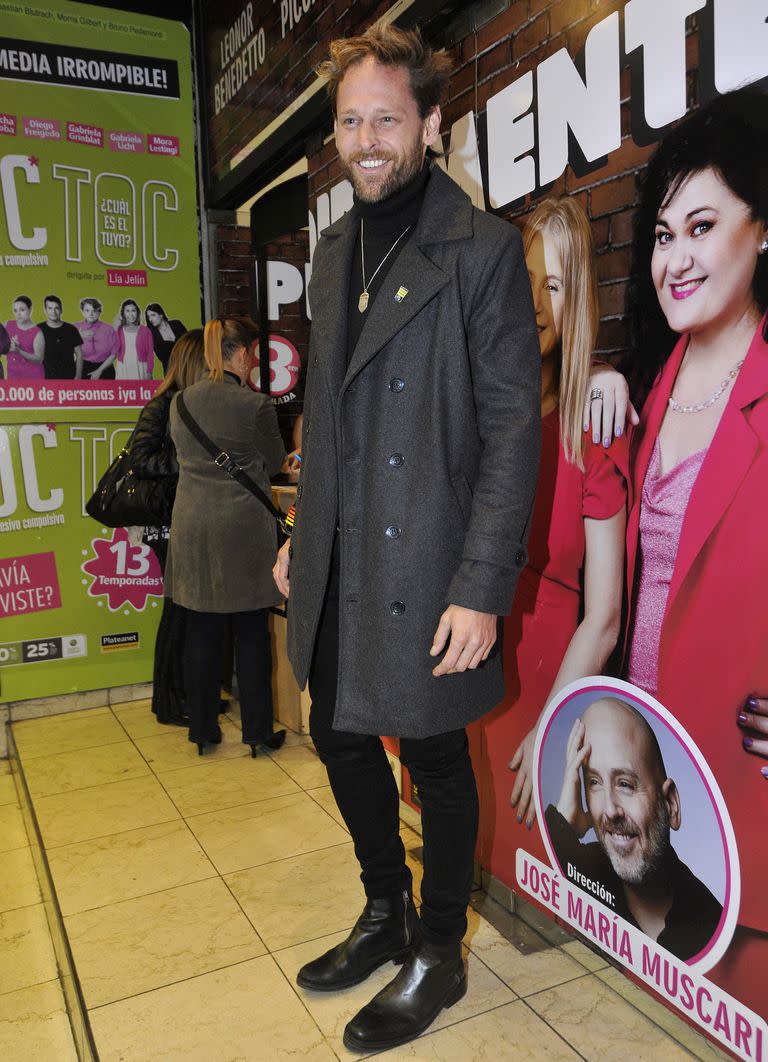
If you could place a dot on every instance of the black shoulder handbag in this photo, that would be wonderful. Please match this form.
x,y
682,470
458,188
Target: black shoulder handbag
x,y
121,499
228,465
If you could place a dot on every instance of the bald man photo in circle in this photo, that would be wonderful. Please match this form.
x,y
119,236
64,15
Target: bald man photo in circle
x,y
633,806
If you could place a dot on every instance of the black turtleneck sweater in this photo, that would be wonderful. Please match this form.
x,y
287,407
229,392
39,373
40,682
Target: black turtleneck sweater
x,y
384,221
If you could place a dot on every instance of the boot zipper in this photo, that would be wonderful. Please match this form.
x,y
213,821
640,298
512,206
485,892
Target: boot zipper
x,y
405,918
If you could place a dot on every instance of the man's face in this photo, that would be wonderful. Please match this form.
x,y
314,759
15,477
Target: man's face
x,y
53,312
380,135
625,792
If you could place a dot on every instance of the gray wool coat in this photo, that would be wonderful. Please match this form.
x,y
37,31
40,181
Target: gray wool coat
x,y
223,540
424,451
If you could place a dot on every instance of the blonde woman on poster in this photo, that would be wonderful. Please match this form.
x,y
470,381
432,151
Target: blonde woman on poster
x,y
566,615
696,537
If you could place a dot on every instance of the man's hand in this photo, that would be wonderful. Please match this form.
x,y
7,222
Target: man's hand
x,y
472,636
569,805
280,570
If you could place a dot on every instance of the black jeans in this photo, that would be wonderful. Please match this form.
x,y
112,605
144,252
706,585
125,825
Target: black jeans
x,y
366,793
204,640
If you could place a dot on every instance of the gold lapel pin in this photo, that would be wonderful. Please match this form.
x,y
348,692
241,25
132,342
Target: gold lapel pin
x,y
400,294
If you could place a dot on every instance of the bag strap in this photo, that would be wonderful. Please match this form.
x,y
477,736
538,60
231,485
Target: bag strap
x,y
225,462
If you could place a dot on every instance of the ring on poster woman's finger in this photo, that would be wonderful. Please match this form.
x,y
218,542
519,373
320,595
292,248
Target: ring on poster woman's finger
x,y
596,394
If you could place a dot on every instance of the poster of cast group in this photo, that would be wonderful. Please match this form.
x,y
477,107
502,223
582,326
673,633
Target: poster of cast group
x,y
99,274
635,808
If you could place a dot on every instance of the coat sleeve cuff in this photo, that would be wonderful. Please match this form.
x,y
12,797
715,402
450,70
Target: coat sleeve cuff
x,y
486,587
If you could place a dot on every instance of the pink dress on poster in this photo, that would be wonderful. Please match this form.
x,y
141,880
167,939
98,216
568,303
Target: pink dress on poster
x,y
664,501
18,367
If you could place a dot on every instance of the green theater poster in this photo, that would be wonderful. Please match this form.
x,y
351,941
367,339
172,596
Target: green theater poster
x,y
99,272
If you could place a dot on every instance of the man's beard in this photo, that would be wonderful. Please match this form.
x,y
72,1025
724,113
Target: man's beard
x,y
639,867
400,173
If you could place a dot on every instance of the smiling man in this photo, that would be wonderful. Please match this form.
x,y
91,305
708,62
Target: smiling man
x,y
420,455
63,356
633,806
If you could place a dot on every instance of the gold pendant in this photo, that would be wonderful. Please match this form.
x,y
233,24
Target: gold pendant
x,y
362,302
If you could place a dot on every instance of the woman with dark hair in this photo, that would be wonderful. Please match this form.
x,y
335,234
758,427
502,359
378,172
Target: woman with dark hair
x,y
164,332
100,344
696,545
27,345
153,457
135,349
223,540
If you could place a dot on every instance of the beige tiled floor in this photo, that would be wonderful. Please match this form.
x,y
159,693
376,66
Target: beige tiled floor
x,y
193,888
33,1017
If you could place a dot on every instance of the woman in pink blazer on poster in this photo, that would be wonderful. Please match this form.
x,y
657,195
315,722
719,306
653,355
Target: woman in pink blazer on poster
x,y
135,358
697,533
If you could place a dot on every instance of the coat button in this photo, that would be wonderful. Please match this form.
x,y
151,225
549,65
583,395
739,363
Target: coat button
x,y
520,558
397,608
393,531
299,491
396,384
396,460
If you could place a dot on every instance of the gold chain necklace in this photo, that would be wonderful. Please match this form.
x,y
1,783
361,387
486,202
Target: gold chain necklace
x,y
699,407
362,302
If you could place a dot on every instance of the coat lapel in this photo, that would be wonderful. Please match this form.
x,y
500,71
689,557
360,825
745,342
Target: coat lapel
x,y
420,279
733,449
446,215
330,294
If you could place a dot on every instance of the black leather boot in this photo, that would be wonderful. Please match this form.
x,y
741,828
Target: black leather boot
x,y
433,977
387,929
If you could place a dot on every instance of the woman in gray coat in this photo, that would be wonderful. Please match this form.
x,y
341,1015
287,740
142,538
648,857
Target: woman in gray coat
x,y
223,540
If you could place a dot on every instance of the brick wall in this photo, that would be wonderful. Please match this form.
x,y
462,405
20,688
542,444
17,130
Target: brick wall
x,y
234,270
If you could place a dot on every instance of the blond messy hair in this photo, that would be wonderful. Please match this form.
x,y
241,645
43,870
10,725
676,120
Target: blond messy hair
x,y
566,223
428,71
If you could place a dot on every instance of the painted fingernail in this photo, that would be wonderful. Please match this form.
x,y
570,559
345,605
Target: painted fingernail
x,y
752,702
742,718
747,743
764,772
619,432
595,438
519,818
586,427
607,441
